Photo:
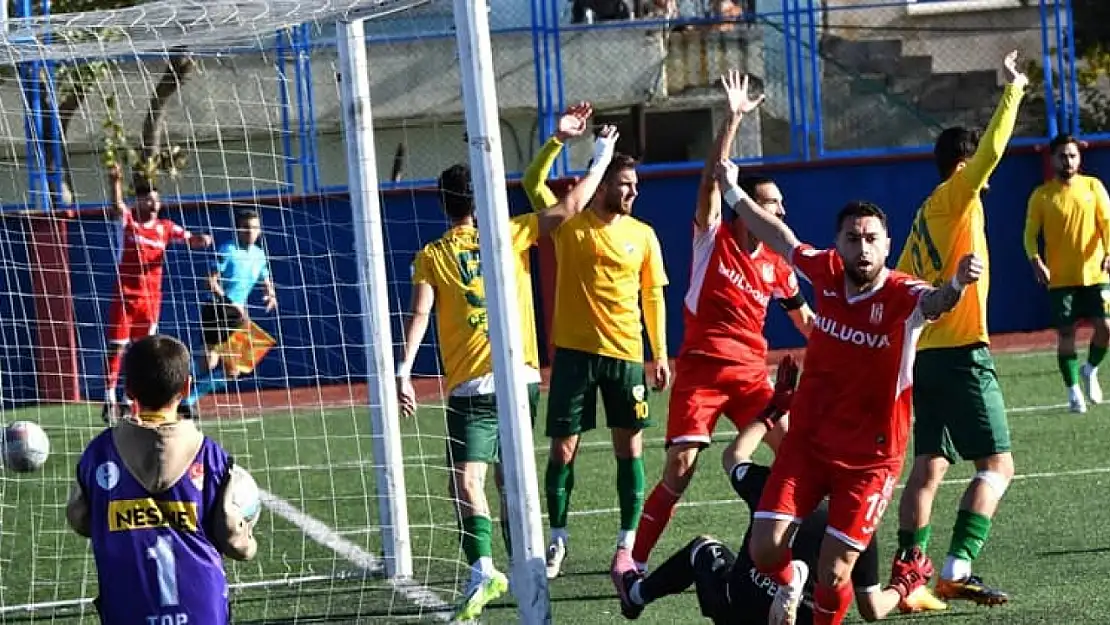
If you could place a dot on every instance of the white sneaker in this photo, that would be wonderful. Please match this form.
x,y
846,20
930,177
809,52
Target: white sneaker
x,y
1076,403
1088,377
784,607
556,553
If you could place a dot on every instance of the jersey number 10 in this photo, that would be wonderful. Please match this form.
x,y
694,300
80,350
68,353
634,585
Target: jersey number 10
x,y
166,569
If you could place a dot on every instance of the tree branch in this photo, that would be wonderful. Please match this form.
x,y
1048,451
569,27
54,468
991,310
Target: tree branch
x,y
178,71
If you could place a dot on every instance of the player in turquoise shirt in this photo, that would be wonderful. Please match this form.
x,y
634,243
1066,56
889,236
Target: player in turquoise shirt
x,y
240,265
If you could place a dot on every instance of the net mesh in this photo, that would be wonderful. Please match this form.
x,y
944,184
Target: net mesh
x,y
250,119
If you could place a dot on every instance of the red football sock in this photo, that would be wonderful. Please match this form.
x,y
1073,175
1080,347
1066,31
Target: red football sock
x,y
114,364
782,573
831,604
658,510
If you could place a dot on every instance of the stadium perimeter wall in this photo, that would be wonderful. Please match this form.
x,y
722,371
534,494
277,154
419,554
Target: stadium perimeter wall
x,y
313,263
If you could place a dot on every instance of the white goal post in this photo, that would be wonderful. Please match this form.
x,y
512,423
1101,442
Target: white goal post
x,y
497,257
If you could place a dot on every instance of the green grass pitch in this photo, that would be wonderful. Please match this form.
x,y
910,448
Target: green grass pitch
x,y
1049,546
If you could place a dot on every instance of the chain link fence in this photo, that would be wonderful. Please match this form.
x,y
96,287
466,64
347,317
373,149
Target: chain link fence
x,y
842,77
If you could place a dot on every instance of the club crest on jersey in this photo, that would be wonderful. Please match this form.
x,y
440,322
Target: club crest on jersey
x,y
196,475
107,475
629,248
768,273
876,313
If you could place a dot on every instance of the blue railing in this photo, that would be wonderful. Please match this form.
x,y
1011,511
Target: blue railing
x,y
793,33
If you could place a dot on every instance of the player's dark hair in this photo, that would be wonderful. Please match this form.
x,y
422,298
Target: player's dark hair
x,y
244,215
619,163
456,192
954,146
143,186
157,370
1061,140
857,209
750,183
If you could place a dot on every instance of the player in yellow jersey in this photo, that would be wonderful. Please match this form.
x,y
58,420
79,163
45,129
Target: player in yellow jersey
x,y
958,406
1073,213
610,272
447,274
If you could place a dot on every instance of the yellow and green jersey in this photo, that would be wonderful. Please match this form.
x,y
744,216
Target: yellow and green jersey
x,y
1074,219
450,265
602,270
951,224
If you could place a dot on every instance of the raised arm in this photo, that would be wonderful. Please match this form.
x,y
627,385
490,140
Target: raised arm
x,y
993,144
572,124
118,206
938,300
761,223
739,102
581,194
423,298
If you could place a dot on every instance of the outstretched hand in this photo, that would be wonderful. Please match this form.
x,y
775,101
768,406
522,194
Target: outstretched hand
x,y
728,174
605,145
573,122
736,90
786,381
1013,74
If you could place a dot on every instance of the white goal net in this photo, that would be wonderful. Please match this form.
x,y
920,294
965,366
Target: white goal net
x,y
230,107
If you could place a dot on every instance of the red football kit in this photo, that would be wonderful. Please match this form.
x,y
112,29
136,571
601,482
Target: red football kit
x,y
722,365
850,418
138,301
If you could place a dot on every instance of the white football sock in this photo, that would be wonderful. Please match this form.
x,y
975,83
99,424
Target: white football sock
x,y
955,569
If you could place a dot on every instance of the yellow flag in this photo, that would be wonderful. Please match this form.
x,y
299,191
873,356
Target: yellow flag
x,y
244,349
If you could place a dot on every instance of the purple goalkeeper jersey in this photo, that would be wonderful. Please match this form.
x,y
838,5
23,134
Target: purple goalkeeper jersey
x,y
155,560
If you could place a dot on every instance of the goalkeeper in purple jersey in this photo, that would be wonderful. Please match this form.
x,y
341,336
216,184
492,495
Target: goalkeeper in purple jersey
x,y
152,495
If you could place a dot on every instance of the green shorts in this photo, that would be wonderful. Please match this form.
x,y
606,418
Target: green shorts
x,y
1073,303
472,434
958,407
576,378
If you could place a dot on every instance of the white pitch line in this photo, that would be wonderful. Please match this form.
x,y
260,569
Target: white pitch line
x,y
727,436
734,500
317,530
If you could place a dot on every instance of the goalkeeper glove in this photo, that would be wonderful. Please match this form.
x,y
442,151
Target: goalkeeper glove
x,y
786,379
910,572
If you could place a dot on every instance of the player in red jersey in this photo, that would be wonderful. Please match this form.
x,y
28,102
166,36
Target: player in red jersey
x,y
138,299
722,364
850,417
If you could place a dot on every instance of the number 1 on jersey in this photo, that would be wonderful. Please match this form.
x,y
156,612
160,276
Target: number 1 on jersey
x,y
166,567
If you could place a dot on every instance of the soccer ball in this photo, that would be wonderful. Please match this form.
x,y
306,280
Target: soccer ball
x,y
25,447
245,495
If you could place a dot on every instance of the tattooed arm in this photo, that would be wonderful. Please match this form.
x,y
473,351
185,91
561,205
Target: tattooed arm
x,y
944,298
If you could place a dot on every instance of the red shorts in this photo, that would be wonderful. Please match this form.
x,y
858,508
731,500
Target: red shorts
x,y
132,318
706,388
858,498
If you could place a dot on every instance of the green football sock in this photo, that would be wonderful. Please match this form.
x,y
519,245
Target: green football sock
x,y
558,484
477,538
1096,355
630,491
969,535
1069,368
908,539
